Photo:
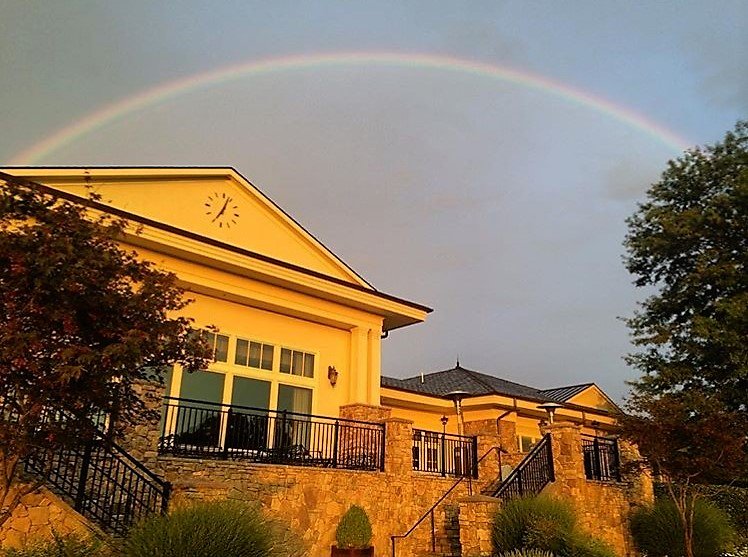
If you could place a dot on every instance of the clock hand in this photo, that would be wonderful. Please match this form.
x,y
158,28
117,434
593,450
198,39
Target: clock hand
x,y
222,211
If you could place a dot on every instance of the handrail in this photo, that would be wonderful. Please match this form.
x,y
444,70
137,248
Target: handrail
x,y
104,482
515,476
270,411
431,510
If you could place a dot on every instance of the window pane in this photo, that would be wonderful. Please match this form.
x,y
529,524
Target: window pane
x,y
254,354
294,399
203,386
222,349
267,356
242,350
251,392
308,365
285,363
298,363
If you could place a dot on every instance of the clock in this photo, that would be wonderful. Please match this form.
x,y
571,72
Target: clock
x,y
221,210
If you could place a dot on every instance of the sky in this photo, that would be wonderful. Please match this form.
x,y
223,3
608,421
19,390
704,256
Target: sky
x,y
477,157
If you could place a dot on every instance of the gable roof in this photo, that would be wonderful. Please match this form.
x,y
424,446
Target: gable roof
x,y
562,394
396,312
180,197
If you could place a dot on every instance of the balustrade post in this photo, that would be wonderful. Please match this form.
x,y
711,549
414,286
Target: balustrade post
x,y
444,456
80,496
335,441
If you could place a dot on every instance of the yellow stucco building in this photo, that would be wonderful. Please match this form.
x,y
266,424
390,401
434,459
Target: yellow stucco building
x,y
294,411
298,329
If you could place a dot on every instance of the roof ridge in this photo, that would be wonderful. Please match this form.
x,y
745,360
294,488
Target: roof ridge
x,y
502,379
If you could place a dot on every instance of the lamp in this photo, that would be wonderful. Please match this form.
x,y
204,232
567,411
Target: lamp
x,y
550,408
332,375
456,397
444,421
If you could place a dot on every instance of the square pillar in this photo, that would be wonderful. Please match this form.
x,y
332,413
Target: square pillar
x,y
476,515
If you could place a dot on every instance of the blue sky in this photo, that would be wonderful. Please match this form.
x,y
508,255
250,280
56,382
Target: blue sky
x,y
500,206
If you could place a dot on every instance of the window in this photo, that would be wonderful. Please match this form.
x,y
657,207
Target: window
x,y
526,443
254,354
220,345
297,363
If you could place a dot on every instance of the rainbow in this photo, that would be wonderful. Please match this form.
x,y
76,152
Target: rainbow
x,y
161,93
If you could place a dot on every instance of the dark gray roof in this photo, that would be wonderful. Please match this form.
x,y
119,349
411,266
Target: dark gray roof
x,y
562,394
440,383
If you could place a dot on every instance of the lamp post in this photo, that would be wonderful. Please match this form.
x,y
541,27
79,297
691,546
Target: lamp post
x,y
444,421
456,397
550,408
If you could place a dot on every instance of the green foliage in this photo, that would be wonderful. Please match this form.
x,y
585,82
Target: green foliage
x,y
354,529
61,546
730,499
689,240
214,528
658,531
543,524
526,553
688,243
83,323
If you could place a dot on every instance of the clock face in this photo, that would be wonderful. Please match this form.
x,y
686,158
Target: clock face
x,y
221,210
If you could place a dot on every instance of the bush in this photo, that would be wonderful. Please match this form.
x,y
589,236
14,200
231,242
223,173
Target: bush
x,y
527,553
354,529
658,531
544,524
61,546
205,529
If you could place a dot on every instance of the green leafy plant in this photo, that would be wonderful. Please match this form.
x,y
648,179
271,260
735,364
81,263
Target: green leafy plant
x,y
354,529
214,528
527,553
658,530
543,524
61,546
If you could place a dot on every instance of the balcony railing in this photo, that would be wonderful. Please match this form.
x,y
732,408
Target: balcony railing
x,y
198,429
601,460
445,454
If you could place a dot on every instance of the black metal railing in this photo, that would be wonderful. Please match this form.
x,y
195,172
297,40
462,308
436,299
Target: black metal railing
x,y
194,428
430,513
531,475
445,454
102,481
601,458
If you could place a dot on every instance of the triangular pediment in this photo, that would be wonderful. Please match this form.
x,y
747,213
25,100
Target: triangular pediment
x,y
217,203
594,397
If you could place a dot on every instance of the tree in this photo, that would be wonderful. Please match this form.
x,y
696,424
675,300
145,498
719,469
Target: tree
x,y
688,244
83,324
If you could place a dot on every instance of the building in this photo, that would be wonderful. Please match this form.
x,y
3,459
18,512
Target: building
x,y
294,410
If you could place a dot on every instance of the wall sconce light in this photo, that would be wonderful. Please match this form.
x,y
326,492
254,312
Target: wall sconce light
x,y
332,375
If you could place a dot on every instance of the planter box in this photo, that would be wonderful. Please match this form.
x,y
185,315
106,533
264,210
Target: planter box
x,y
339,552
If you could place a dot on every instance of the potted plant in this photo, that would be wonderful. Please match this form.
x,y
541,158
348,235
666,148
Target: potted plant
x,y
353,535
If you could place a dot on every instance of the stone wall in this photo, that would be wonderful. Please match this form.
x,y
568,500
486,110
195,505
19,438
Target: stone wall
x,y
603,508
312,500
38,516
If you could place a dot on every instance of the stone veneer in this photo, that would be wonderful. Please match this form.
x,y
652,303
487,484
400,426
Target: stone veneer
x,y
38,516
602,508
312,500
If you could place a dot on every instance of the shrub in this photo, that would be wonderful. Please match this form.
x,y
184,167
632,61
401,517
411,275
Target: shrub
x,y
527,553
354,529
658,531
61,546
213,528
544,524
